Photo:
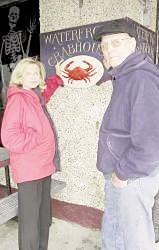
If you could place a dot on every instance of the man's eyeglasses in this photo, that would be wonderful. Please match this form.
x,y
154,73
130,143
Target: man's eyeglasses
x,y
115,43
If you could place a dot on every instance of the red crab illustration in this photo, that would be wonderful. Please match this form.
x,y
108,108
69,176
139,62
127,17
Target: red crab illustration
x,y
78,73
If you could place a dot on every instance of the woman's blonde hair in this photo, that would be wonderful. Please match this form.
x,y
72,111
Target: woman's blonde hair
x,y
16,76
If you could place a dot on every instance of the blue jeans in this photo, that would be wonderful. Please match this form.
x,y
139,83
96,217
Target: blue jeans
x,y
127,220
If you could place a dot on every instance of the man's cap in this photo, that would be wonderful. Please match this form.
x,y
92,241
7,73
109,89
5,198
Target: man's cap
x,y
113,27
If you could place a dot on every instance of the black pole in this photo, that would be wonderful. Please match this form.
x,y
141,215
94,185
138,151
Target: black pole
x,y
157,34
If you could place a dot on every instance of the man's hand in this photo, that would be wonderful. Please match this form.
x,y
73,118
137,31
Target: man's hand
x,y
106,64
117,182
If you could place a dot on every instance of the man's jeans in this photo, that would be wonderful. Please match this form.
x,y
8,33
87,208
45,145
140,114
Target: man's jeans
x,y
127,221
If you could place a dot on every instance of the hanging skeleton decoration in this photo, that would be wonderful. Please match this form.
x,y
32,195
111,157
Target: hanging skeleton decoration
x,y
12,48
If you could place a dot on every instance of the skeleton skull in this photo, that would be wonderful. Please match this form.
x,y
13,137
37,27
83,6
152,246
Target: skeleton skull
x,y
13,15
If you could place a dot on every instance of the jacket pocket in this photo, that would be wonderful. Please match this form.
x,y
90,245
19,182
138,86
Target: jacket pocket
x,y
118,144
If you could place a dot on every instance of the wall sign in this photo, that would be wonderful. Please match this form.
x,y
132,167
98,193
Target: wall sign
x,y
81,56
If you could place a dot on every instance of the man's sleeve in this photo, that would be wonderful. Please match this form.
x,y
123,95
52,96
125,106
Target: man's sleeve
x,y
141,158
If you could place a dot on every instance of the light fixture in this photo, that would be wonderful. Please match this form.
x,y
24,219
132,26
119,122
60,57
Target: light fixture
x,y
146,12
80,3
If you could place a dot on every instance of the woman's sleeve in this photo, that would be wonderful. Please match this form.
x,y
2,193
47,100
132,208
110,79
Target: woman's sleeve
x,y
52,83
17,137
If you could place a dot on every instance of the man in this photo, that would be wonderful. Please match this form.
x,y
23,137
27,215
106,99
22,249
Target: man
x,y
128,148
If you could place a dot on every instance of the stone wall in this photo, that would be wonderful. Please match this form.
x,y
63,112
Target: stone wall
x,y
77,113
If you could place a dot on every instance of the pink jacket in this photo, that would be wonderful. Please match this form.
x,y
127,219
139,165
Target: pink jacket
x,y
27,133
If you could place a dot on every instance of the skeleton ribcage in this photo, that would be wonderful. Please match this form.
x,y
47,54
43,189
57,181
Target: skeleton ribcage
x,y
12,45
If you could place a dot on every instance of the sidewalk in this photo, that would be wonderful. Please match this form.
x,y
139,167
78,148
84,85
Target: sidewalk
x,y
64,235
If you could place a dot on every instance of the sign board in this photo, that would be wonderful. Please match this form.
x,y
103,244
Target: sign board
x,y
81,55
